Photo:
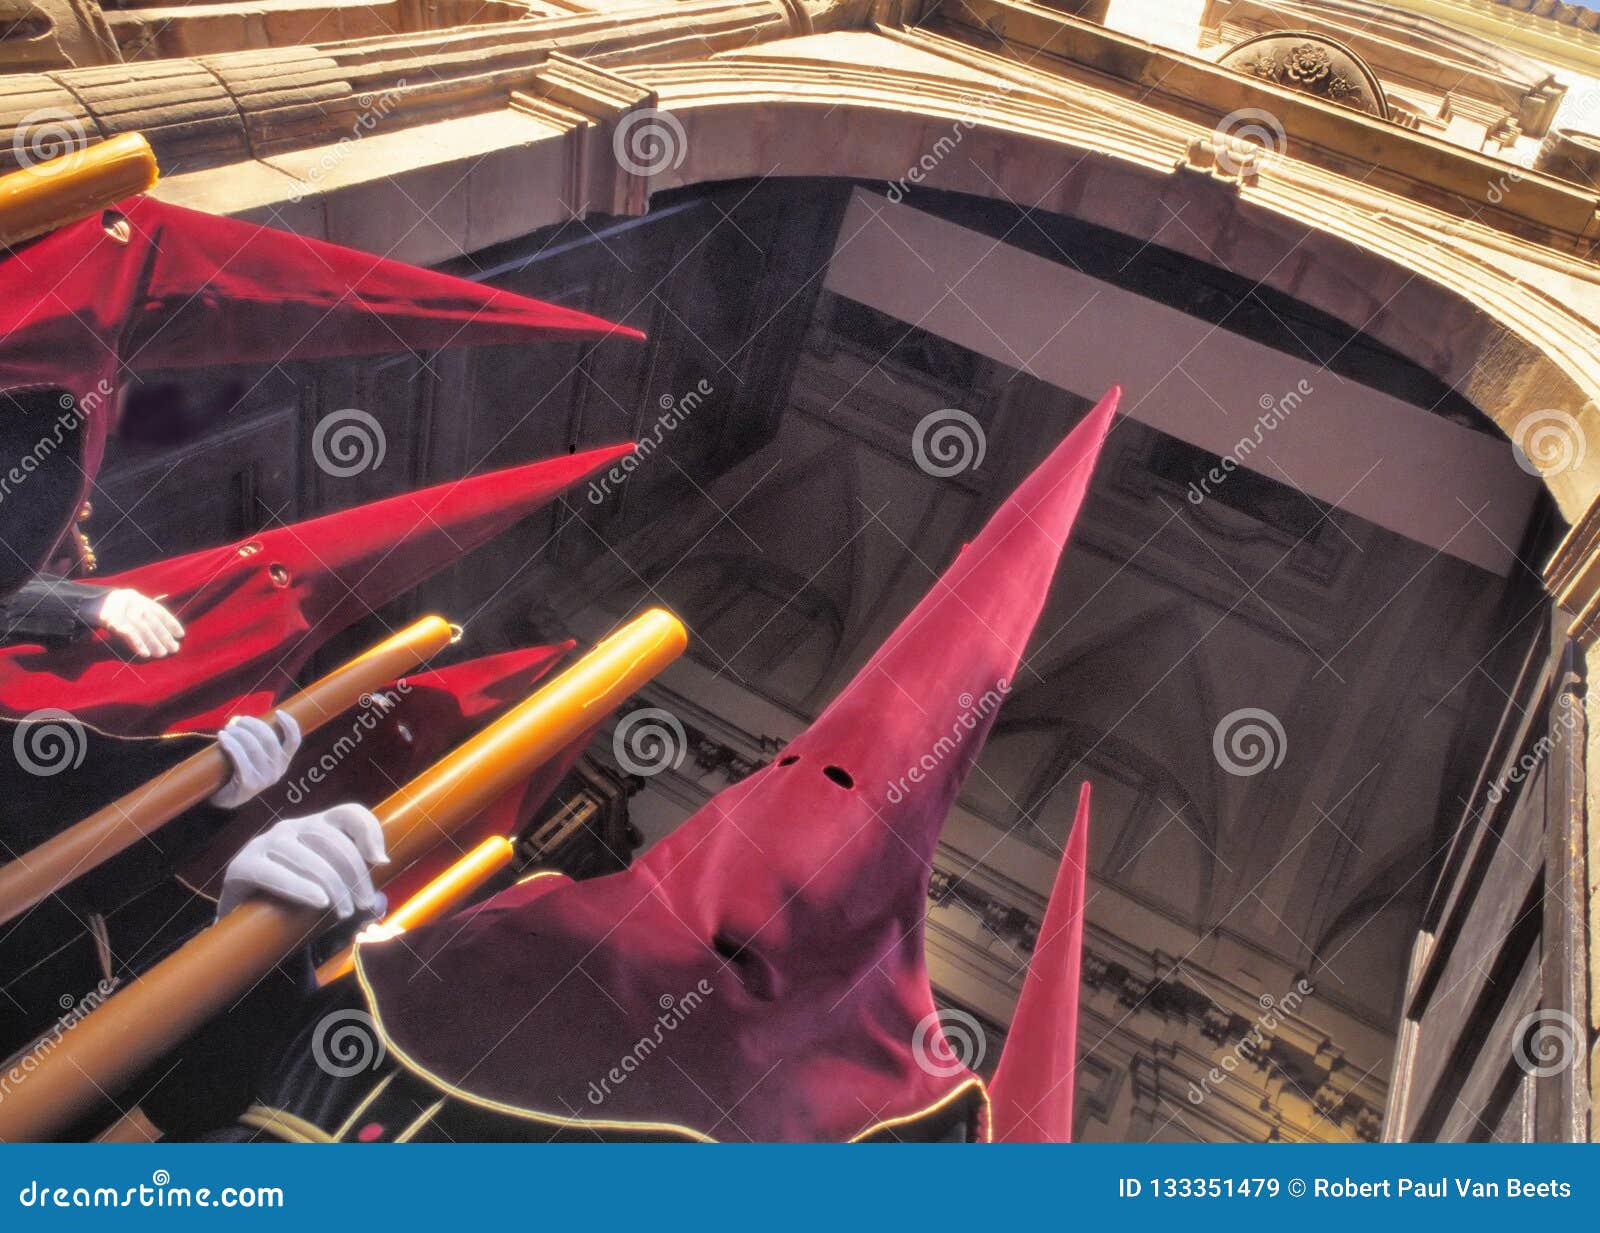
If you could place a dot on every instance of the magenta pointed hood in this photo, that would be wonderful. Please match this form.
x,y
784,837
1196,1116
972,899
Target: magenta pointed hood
x,y
1031,1094
759,974
150,285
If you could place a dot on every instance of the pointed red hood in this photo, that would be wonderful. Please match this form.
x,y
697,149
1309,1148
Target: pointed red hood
x,y
781,926
1030,1097
387,742
256,611
151,285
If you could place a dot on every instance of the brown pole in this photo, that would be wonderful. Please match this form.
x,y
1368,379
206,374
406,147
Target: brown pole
x,y
133,1028
128,819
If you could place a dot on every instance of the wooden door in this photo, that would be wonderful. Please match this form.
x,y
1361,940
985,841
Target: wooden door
x,y
1493,1043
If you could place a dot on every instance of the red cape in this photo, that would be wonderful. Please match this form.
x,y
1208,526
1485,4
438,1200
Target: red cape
x,y
150,285
1030,1097
256,611
772,946
368,754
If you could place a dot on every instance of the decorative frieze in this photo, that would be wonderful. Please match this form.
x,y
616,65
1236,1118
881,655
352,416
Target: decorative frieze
x,y
1313,65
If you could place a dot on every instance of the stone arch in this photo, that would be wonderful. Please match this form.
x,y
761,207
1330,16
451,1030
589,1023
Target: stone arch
x,y
1512,334
1462,264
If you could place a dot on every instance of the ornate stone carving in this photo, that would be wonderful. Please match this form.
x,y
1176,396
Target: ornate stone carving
x,y
36,35
1312,64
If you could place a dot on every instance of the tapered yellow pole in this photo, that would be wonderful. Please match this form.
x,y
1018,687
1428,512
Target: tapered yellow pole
x,y
136,1026
434,901
72,186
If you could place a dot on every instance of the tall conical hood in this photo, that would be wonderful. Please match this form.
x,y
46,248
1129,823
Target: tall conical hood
x,y
772,944
150,285
256,611
1030,1097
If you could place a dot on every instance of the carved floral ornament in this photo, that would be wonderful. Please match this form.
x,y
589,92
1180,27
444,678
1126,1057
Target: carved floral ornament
x,y
1313,64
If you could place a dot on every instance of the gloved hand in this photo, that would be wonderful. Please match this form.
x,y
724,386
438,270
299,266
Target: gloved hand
x,y
148,628
259,755
319,861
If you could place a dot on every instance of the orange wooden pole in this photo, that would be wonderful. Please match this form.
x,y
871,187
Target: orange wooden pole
x,y
135,1026
128,819
434,901
73,186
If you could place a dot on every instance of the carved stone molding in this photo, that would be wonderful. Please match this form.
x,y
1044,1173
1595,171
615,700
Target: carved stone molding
x,y
1223,157
1573,576
45,34
215,110
616,136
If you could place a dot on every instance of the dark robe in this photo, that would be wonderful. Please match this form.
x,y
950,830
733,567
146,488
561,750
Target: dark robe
x,y
106,925
48,609
335,1081
64,956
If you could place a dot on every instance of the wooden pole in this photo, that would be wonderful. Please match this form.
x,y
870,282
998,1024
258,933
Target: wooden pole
x,y
121,824
443,895
73,186
135,1026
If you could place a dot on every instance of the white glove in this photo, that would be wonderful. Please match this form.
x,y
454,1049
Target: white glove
x,y
319,861
149,629
259,755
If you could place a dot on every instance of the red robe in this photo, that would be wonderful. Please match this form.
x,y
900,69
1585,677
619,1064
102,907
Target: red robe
x,y
256,611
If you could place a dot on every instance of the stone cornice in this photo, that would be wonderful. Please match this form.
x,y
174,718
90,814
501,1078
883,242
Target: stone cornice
x,y
1561,34
219,109
1573,575
1375,152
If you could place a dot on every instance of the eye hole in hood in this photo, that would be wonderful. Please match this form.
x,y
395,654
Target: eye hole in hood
x,y
758,976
